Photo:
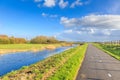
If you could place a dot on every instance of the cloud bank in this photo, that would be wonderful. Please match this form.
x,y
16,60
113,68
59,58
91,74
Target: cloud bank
x,y
93,21
91,28
61,3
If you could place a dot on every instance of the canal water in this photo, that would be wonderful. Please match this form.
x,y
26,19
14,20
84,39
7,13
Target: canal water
x,y
14,61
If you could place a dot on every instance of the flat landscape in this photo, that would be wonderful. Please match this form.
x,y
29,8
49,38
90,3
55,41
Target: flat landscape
x,y
80,62
55,67
59,39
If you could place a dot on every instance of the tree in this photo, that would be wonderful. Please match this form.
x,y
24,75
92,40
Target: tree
x,y
39,39
4,39
43,40
52,40
12,40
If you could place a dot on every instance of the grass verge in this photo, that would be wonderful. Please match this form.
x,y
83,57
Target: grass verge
x,y
68,61
69,70
110,50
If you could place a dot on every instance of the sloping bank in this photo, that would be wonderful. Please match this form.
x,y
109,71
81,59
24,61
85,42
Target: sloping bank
x,y
111,50
58,67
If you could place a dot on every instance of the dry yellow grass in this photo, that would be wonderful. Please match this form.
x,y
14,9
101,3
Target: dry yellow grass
x,y
50,47
11,48
2,51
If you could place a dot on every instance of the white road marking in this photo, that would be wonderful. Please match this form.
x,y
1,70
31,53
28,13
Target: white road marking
x,y
109,75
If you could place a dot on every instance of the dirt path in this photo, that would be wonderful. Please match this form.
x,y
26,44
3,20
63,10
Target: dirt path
x,y
99,66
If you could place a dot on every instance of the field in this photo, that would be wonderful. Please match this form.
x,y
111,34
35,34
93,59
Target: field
x,y
63,66
113,50
7,48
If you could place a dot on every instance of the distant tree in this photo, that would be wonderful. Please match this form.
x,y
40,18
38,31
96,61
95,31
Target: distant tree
x,y
3,36
19,40
4,39
39,39
43,40
12,40
52,40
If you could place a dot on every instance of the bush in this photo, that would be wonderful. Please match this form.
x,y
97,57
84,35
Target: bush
x,y
4,39
43,40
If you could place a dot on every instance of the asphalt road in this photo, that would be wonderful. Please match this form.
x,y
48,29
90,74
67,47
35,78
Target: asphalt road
x,y
98,65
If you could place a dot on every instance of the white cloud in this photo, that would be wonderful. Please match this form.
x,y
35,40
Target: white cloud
x,y
63,4
49,15
86,35
92,31
68,31
49,3
69,22
91,28
76,3
106,32
79,32
93,21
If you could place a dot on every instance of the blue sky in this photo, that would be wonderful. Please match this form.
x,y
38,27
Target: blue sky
x,y
71,20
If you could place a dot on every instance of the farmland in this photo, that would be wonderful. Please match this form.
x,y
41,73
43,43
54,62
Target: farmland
x,y
60,66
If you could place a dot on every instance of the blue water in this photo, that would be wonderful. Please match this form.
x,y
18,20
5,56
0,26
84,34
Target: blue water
x,y
14,61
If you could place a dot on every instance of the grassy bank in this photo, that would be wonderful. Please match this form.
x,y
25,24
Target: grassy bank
x,y
58,67
69,70
113,50
7,48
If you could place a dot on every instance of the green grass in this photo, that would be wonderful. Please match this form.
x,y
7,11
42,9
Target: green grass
x,y
69,69
113,50
10,48
24,46
66,64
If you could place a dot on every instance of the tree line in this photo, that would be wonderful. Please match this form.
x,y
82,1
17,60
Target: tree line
x,y
4,39
43,40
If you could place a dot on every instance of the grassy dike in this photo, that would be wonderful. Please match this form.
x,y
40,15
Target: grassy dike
x,y
110,51
61,66
69,70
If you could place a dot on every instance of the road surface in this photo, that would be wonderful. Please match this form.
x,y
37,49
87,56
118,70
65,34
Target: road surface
x,y
98,65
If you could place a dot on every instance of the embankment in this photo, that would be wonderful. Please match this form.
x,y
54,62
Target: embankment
x,y
61,66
